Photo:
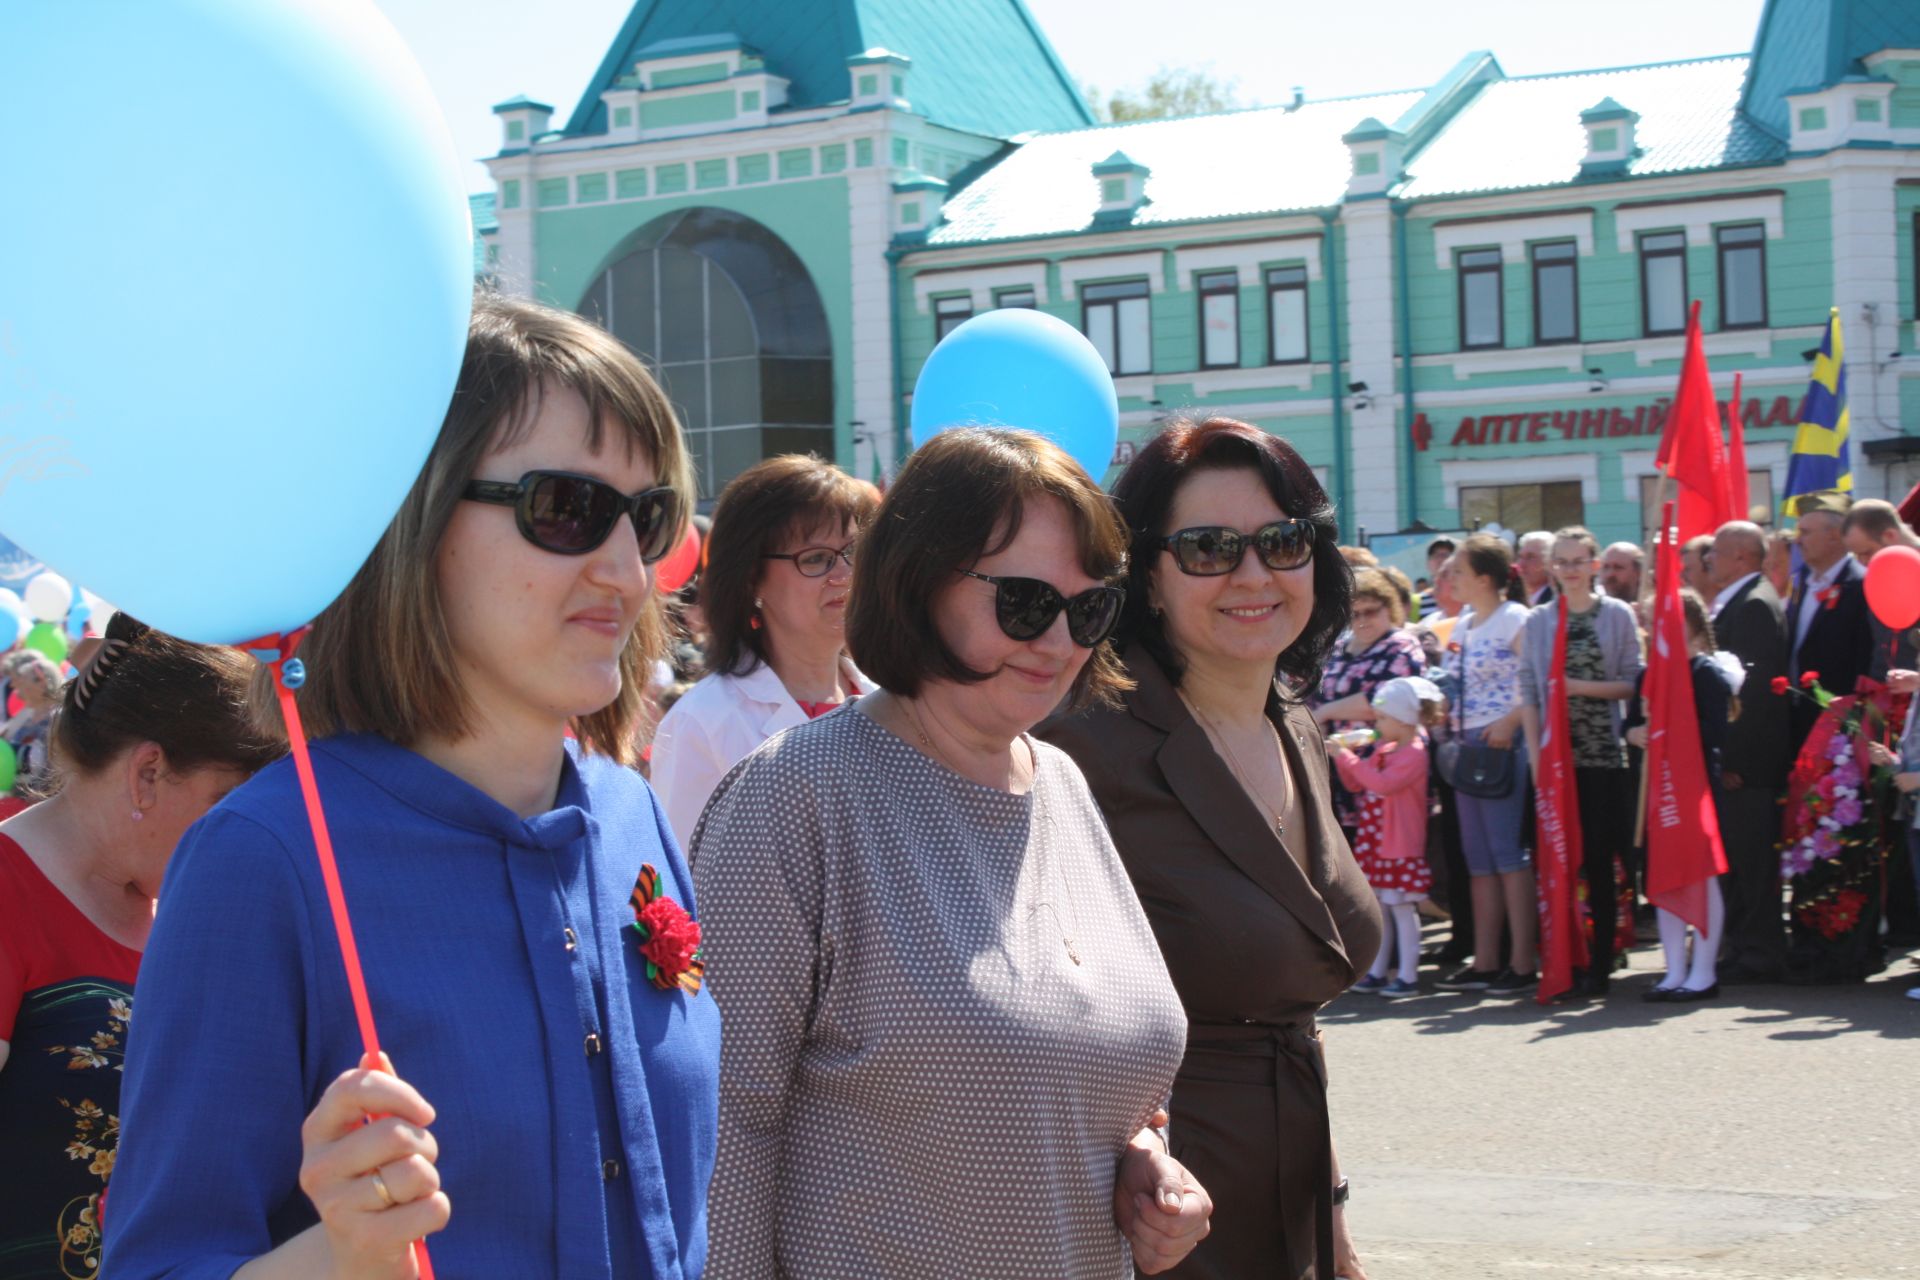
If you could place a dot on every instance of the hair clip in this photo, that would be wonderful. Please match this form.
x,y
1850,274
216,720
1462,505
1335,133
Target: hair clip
x,y
122,631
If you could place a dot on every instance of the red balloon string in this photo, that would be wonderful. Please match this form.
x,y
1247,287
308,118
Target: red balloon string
x,y
281,648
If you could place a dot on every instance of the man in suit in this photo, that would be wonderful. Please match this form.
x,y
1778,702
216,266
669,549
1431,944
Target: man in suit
x,y
1536,548
1829,628
1747,622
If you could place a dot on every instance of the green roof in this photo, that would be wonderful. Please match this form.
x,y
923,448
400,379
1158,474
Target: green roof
x,y
1605,109
520,103
1809,44
1526,131
982,66
1230,165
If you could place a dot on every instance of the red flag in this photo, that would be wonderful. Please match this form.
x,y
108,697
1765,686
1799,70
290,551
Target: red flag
x,y
1563,944
1683,829
1739,499
1691,450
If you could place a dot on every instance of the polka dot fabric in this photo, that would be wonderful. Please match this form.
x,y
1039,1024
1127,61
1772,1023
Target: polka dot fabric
x,y
917,1078
1393,879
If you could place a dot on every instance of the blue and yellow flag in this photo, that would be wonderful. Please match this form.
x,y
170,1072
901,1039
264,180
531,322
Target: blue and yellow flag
x,y
1820,459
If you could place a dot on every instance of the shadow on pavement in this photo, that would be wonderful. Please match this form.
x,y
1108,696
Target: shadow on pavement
x,y
1876,1007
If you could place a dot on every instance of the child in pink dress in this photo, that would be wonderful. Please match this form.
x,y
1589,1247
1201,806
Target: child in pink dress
x,y
1391,841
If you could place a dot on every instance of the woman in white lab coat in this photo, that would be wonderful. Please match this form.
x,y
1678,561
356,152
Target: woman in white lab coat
x,y
774,591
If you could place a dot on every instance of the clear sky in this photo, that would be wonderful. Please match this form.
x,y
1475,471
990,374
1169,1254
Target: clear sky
x,y
479,52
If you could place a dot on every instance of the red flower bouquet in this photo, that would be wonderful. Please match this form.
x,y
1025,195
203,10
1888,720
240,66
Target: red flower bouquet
x,y
669,937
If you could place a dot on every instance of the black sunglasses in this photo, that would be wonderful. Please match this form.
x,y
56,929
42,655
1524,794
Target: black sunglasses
x,y
1026,607
814,562
1208,551
571,515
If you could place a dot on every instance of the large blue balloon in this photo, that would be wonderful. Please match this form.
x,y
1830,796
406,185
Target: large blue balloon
x,y
234,283
1017,367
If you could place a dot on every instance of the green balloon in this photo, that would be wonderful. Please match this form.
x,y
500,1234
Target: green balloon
x,y
48,638
9,766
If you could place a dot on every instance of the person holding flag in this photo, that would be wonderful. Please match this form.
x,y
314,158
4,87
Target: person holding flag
x,y
1578,660
1687,692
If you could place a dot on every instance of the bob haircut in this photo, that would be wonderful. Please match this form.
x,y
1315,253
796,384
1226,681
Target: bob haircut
x,y
961,497
770,503
1146,491
1375,585
380,658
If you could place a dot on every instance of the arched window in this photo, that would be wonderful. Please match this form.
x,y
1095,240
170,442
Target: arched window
x,y
726,316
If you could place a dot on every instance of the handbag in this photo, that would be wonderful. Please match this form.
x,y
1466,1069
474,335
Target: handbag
x,y
1473,768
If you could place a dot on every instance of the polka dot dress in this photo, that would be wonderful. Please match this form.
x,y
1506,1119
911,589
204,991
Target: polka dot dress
x,y
1392,879
943,1016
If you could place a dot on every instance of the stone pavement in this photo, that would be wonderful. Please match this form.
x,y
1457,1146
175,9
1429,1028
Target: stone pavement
x,y
1774,1133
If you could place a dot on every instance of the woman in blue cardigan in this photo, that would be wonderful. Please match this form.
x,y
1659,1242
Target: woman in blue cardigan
x,y
550,1105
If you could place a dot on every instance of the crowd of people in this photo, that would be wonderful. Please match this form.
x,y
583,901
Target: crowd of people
x,y
1779,628
1015,832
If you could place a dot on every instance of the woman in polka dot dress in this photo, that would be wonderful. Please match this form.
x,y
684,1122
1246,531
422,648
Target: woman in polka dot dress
x,y
950,1037
1391,842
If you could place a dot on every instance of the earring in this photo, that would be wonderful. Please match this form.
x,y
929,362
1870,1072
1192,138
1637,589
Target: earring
x,y
137,815
754,621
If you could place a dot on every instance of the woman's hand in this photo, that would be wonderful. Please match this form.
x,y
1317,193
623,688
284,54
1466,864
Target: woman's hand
x,y
1637,736
1500,733
1902,681
1907,782
347,1161
1346,1259
1881,755
1161,1209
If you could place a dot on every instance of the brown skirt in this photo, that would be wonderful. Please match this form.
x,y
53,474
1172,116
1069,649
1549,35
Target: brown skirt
x,y
1250,1121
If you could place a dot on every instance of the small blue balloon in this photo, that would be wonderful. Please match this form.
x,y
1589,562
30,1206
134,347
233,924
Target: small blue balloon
x,y
77,619
1017,367
215,419
13,625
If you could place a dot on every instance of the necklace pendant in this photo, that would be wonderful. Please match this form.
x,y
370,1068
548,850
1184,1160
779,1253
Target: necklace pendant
x,y
1071,953
1280,827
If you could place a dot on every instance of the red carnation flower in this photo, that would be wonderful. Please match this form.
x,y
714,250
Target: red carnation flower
x,y
1808,679
673,937
1781,684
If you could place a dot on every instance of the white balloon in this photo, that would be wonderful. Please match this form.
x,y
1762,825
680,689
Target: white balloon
x,y
8,596
49,596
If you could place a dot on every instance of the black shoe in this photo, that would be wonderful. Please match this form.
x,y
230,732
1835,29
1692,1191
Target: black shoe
x,y
1509,983
1447,955
1658,995
1686,995
1468,978
1597,985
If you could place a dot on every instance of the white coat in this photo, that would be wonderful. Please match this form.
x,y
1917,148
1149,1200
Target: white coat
x,y
714,726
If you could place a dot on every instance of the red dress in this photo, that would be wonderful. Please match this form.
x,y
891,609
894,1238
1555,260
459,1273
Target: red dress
x,y
66,991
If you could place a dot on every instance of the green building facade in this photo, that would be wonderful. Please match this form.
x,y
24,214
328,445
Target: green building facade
x,y
1462,302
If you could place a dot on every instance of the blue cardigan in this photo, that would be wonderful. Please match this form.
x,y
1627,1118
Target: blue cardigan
x,y
559,1161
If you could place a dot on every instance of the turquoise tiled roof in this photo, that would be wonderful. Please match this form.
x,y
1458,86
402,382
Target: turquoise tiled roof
x,y
1526,132
1808,44
978,65
520,102
1230,165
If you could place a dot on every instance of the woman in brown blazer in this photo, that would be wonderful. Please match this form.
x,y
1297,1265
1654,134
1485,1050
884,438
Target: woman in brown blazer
x,y
1214,781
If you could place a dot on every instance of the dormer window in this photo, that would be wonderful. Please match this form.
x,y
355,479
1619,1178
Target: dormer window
x,y
1123,185
1611,145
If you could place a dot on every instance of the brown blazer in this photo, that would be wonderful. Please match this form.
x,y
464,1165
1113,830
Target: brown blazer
x,y
1255,946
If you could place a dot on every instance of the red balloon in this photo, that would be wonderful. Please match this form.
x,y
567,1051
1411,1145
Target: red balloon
x,y
677,570
1893,586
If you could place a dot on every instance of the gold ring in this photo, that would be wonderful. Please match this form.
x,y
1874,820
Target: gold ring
x,y
380,1185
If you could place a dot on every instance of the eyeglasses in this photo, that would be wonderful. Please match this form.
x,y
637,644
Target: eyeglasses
x,y
1209,551
571,515
814,562
1573,566
1026,607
